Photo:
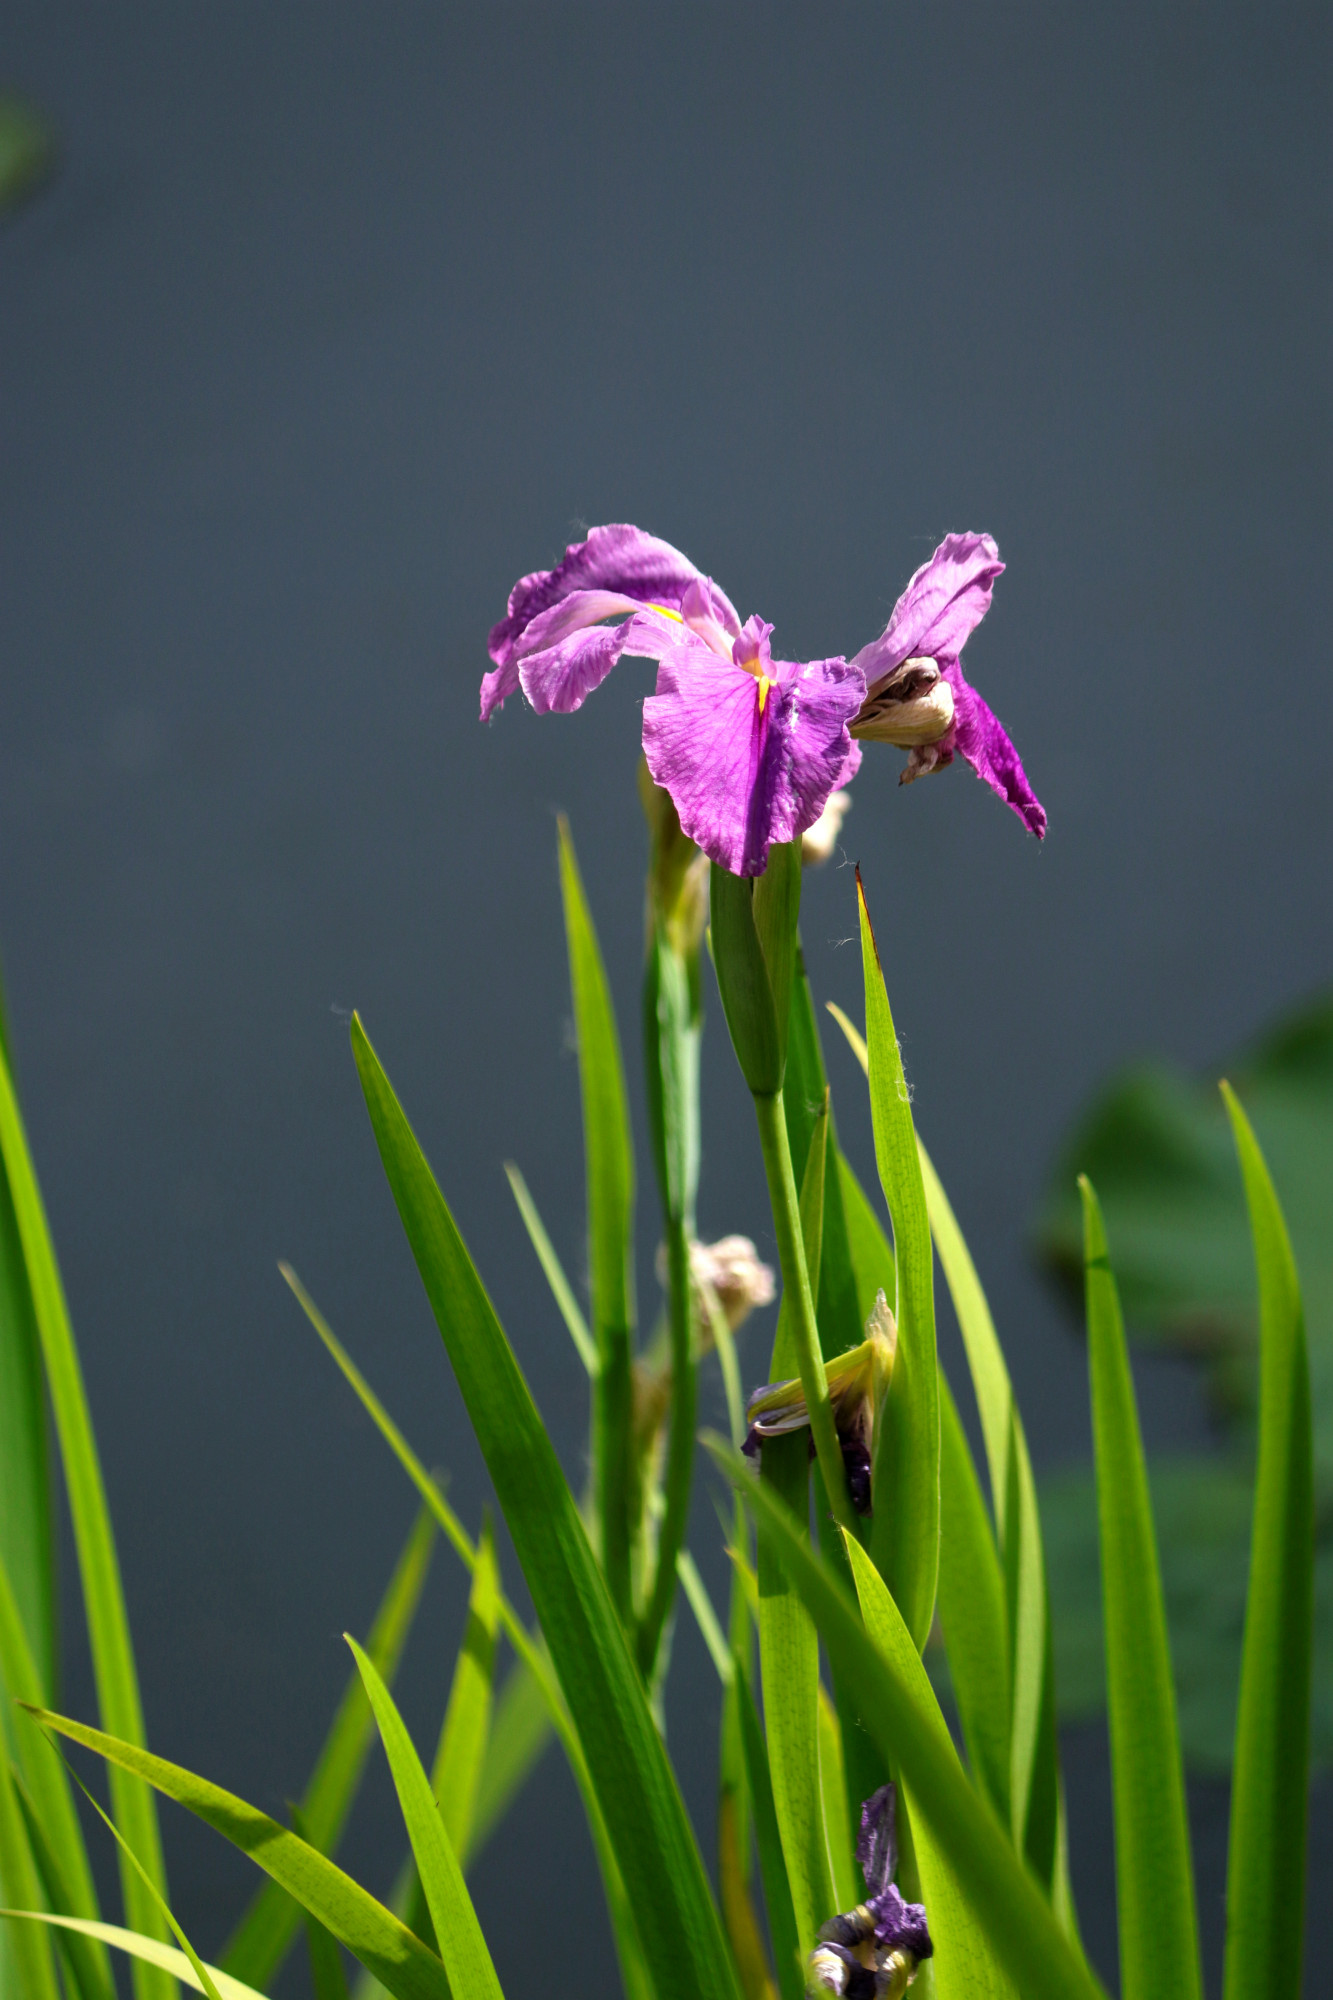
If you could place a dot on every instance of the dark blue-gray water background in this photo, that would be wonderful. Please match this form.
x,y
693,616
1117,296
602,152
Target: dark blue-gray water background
x,y
335,319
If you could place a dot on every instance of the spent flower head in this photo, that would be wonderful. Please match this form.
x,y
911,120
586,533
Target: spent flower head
x,y
873,1952
857,1383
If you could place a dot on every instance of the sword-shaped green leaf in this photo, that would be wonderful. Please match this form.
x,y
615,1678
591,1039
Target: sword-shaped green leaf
x,y
1270,1788
1159,1945
99,1567
973,1613
635,1787
905,1536
609,1153
151,1950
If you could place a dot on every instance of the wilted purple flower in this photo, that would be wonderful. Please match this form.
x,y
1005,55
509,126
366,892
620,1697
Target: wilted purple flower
x,y
873,1951
916,696
857,1382
749,747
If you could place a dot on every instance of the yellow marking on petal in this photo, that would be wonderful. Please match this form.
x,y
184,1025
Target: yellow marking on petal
x,y
665,612
764,685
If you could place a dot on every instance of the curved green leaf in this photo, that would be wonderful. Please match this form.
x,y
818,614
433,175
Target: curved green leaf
x,y
151,1950
373,1934
973,1613
1159,1946
1270,1790
635,1787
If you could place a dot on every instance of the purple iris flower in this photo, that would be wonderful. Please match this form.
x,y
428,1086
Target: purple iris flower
x,y
749,747
873,1951
916,695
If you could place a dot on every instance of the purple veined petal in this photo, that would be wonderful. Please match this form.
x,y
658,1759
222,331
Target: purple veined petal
x,y
711,613
742,774
900,1925
618,558
572,614
947,597
560,679
877,1841
496,688
980,736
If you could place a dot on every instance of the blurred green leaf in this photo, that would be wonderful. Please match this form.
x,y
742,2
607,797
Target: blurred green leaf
x,y
99,1567
87,1966
373,1934
905,1533
787,1961
328,1979
973,1612
649,1832
1270,1788
262,1939
34,1960
561,1290
1159,1945
27,150
521,1731
462,1946
1157,1146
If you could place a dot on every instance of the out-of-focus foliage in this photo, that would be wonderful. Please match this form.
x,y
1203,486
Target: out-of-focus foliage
x,y
27,150
1157,1145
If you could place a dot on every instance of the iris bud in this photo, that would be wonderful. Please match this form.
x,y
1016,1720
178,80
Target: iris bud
x,y
912,705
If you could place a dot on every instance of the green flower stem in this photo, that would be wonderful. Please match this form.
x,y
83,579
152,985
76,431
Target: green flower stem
x,y
800,1304
680,1446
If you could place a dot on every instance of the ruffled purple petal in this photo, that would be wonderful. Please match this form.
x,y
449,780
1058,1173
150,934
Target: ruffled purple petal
x,y
617,558
559,679
980,736
947,597
742,775
900,1925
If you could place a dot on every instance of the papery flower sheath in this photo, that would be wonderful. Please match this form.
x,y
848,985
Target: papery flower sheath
x,y
873,1951
857,1380
750,748
916,695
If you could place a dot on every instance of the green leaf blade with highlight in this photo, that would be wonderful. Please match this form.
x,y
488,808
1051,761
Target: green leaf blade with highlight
x,y
1270,1789
467,1960
150,1950
384,1945
609,1152
109,1639
632,1781
1159,1947
973,1612
561,1290
905,1536
265,1934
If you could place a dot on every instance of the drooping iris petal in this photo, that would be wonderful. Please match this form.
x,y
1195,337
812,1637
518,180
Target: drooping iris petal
x,y
945,600
558,679
744,772
877,1840
980,737
617,557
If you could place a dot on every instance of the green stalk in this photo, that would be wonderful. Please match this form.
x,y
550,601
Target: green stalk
x,y
680,1447
800,1303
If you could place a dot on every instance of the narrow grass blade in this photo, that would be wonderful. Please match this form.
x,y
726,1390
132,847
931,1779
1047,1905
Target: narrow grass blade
x,y
1270,1788
197,1965
520,1732
99,1567
150,1950
1021,1930
33,1959
373,1934
701,1604
847,1886
965,1965
787,1961
973,1612
462,1946
26,1544
1159,1945
905,1536
561,1291
87,1966
531,1653
609,1153
44,1774
467,1719
265,1933
635,1787
737,1910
